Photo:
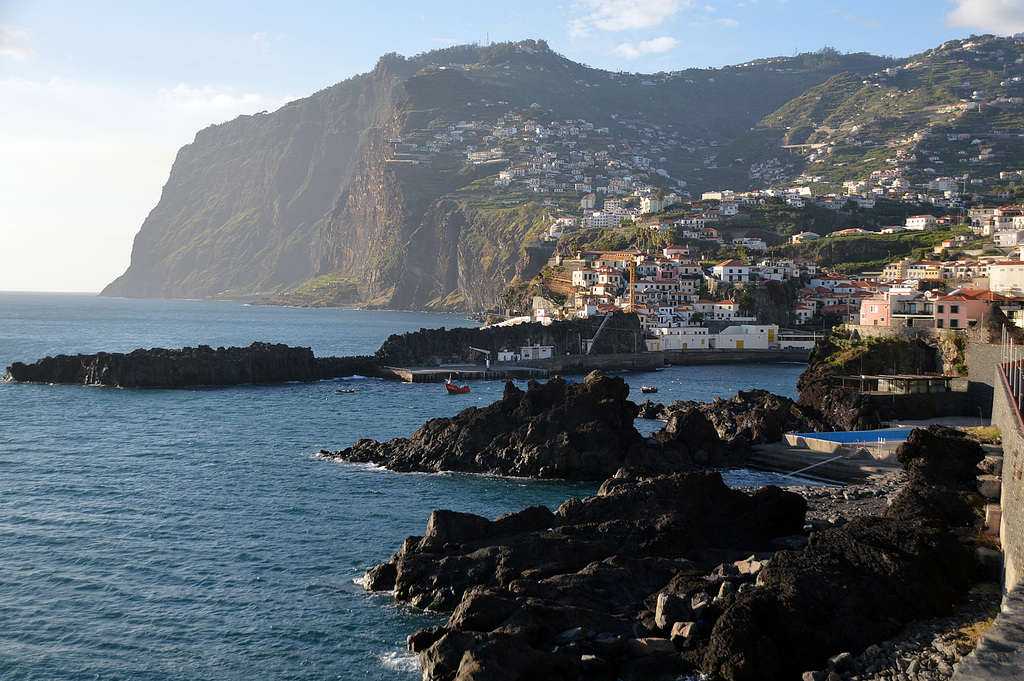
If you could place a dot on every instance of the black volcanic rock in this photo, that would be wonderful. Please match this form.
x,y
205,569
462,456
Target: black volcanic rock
x,y
825,405
654,578
432,347
861,583
531,592
556,429
160,368
722,431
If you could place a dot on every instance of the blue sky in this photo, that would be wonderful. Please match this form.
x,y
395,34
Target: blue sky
x,y
97,97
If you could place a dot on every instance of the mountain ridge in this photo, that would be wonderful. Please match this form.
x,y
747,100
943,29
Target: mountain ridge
x,y
352,182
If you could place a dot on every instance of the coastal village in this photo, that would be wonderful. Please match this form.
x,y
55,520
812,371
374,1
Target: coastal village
x,y
669,289
607,177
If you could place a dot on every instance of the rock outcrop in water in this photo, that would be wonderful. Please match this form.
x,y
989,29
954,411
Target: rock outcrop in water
x,y
750,417
654,578
431,347
160,368
556,429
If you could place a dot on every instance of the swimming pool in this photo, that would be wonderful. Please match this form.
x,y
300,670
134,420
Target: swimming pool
x,y
887,435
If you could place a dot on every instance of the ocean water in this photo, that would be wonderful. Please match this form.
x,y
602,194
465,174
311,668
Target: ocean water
x,y
195,534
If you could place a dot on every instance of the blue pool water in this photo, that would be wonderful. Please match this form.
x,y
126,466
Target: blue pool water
x,y
890,435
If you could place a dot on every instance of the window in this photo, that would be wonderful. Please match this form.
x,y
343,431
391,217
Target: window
x,y
942,309
954,323
938,323
954,309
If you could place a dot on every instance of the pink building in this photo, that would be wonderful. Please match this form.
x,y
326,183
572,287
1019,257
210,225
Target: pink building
x,y
876,310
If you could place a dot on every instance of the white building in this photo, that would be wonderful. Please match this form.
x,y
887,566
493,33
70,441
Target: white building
x,y
1008,238
536,351
919,223
1006,276
680,338
747,337
732,271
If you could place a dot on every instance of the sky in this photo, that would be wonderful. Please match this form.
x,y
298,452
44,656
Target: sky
x,y
97,97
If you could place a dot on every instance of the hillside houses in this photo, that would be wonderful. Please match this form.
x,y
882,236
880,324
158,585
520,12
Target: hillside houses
x,y
956,309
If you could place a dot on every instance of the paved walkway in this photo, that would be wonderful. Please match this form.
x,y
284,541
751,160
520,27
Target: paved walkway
x,y
1000,653
951,421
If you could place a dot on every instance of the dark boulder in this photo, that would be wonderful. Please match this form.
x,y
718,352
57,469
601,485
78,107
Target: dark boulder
x,y
723,430
861,583
658,577
556,429
541,595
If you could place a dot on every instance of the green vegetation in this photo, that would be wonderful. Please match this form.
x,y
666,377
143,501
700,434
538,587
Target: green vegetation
x,y
849,350
329,290
854,254
985,434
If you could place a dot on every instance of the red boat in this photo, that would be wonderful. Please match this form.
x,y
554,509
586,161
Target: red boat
x,y
453,388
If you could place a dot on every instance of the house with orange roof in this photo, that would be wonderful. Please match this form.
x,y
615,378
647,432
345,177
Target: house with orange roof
x,y
957,309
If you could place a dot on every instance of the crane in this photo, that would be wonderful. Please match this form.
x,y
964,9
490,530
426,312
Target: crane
x,y
486,354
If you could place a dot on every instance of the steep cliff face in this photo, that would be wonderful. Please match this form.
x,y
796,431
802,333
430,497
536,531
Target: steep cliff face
x,y
240,212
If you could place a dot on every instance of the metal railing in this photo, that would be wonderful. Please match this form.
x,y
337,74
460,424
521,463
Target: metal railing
x,y
1011,363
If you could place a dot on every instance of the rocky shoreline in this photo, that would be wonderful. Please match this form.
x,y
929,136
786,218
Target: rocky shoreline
x,y
583,431
662,576
926,649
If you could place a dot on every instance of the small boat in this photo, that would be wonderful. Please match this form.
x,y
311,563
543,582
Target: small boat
x,y
345,392
453,388
648,388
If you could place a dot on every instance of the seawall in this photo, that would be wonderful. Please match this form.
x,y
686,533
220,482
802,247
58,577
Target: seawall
x,y
649,361
1006,415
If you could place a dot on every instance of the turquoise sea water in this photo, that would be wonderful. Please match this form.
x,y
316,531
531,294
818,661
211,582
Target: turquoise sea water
x,y
194,534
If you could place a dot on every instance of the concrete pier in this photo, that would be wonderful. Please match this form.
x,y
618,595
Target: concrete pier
x,y
465,372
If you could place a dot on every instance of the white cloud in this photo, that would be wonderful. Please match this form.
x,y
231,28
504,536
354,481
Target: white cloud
x,y
14,42
622,15
998,16
724,22
206,97
655,46
260,38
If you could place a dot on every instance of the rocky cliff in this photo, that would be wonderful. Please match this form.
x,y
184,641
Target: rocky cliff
x,y
242,211
352,181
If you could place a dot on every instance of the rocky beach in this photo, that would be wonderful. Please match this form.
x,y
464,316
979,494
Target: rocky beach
x,y
657,577
666,571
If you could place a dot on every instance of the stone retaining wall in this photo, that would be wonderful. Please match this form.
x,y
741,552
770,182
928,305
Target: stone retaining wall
x,y
902,332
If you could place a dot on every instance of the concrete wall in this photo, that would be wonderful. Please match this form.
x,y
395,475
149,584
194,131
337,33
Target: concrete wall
x,y
584,364
649,361
1011,532
983,372
727,356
